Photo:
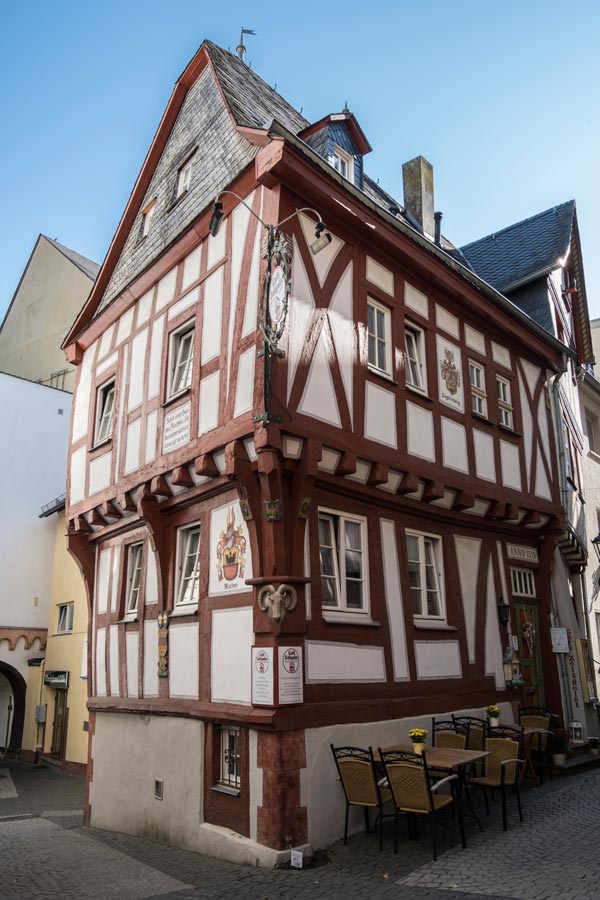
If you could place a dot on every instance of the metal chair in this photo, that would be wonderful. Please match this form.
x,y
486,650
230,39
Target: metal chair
x,y
502,767
449,734
413,793
361,784
536,717
478,730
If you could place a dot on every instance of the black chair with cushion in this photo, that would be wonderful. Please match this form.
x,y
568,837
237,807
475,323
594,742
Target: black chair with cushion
x,y
502,767
361,783
449,734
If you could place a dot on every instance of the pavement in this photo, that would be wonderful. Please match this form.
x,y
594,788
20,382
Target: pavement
x,y
46,853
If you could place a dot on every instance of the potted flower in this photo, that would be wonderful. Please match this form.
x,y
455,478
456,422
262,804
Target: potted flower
x,y
417,736
594,745
493,714
559,746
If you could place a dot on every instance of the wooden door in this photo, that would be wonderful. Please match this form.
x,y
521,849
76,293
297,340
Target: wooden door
x,y
529,652
59,724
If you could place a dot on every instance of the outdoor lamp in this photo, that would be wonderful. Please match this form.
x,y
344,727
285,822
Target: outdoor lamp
x,y
217,215
595,542
576,731
321,240
503,611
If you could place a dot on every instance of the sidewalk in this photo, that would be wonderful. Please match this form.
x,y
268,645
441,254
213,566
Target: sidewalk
x,y
47,854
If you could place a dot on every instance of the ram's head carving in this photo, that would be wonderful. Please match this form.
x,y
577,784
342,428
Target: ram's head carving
x,y
276,602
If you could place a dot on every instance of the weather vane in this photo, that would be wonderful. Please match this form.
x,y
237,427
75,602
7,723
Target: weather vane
x,y
241,47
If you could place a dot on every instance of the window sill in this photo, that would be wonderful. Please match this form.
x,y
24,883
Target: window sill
x,y
223,789
432,625
106,444
481,417
342,618
133,617
62,633
419,392
379,373
509,430
184,610
177,200
594,455
176,397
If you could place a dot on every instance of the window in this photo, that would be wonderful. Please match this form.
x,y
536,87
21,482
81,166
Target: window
x,y
414,345
65,618
424,574
343,163
188,565
591,427
478,394
134,571
146,222
229,775
378,329
341,547
105,403
184,176
504,402
182,358
522,582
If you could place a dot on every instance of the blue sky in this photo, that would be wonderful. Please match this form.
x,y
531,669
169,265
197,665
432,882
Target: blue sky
x,y
503,99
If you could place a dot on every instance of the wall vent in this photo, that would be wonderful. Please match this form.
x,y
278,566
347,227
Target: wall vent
x,y
158,789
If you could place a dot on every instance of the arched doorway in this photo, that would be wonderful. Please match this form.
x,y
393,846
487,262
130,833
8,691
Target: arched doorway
x,y
18,687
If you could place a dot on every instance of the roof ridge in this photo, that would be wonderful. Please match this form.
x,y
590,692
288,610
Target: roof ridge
x,y
494,234
78,259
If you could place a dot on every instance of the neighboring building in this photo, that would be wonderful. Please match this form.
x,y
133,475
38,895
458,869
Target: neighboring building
x,y
32,466
54,286
287,549
589,396
57,683
538,264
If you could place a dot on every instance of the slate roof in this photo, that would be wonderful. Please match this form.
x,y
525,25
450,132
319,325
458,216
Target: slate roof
x,y
524,251
86,265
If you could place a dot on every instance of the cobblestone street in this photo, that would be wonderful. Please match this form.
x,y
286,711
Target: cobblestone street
x,y
46,852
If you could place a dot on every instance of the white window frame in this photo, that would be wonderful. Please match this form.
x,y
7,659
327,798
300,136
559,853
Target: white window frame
x,y
592,432
184,177
135,558
377,337
337,548
188,568
414,365
230,765
505,406
105,412
147,215
179,363
343,162
478,392
64,624
522,582
433,541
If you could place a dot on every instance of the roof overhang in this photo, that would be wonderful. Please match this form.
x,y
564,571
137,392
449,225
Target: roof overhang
x,y
349,119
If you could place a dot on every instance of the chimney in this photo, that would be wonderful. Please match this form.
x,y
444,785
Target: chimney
x,y
417,176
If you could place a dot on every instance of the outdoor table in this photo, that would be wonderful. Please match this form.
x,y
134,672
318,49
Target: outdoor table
x,y
528,762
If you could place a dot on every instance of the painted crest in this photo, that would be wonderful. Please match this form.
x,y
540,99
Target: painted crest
x,y
449,372
231,550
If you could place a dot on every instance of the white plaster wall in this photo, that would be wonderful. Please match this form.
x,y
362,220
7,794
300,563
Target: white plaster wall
x,y
208,403
151,594
245,383
438,659
100,472
393,599
474,339
485,465
151,658
137,370
447,321
81,408
318,399
379,275
151,428
191,267
129,753
156,342
419,426
104,560
341,320
232,637
380,415
114,660
509,461
212,316
454,444
301,309
33,458
132,448
183,661
336,662
467,556
131,649
100,658
78,467
416,300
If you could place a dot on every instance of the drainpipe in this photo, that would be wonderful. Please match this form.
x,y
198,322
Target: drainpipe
x,y
37,753
562,666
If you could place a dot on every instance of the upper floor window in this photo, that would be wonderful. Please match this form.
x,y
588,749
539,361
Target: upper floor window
x,y
379,335
591,427
342,548
147,215
105,402
478,394
65,618
181,357
415,357
343,163
188,565
184,177
424,553
504,401
134,573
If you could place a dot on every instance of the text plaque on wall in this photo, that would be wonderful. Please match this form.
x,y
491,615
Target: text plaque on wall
x,y
176,430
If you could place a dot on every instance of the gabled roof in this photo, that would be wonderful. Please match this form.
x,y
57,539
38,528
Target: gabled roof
x,y
510,258
349,119
86,265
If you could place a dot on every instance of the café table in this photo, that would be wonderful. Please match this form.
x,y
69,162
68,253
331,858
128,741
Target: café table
x,y
528,746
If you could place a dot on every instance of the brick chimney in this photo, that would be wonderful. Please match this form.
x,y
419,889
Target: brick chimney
x,y
417,176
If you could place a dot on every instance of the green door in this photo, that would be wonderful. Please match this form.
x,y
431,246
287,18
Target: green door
x,y
529,652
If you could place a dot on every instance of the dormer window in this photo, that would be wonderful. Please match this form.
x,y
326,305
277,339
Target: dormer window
x,y
184,177
343,163
147,214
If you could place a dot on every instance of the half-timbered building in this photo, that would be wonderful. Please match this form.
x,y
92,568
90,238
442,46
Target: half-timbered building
x,y
301,516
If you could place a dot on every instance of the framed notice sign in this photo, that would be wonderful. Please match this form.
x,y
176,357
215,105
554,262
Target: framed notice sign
x,y
290,680
263,677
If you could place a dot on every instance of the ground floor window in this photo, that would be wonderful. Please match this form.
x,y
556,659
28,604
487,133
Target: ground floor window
x,y
229,774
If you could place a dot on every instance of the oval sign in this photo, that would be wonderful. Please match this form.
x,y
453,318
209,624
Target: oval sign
x,y
277,289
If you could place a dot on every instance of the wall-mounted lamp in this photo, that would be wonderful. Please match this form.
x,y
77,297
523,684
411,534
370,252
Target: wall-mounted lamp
x,y
595,542
217,215
322,240
503,611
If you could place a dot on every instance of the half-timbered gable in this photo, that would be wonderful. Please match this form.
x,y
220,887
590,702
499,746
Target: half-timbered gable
x,y
295,540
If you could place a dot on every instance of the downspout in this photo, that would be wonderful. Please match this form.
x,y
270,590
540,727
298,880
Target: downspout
x,y
562,666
